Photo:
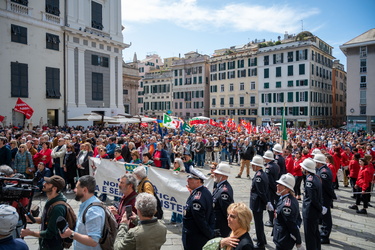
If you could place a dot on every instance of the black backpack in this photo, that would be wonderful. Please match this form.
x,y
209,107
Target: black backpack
x,y
159,213
110,227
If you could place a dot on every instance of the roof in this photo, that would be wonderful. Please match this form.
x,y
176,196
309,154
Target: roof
x,y
365,37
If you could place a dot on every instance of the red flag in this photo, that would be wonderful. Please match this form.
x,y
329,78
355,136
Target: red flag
x,y
2,118
24,108
144,124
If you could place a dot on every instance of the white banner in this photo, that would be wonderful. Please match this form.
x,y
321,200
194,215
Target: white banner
x,y
170,186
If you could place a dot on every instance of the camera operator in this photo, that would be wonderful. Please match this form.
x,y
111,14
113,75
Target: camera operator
x,y
9,219
49,237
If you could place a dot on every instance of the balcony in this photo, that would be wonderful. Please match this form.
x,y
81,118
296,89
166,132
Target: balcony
x,y
18,8
51,18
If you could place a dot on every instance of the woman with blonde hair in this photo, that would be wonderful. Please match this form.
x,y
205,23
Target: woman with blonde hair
x,y
23,162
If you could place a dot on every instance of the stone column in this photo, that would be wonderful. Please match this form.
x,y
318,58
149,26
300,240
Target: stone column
x,y
81,78
112,82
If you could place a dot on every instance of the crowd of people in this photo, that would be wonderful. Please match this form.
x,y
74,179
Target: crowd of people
x,y
304,168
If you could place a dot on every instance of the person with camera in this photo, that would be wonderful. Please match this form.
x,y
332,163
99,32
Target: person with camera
x,y
49,237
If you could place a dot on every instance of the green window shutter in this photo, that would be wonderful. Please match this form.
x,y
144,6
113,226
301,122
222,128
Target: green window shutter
x,y
305,54
290,70
262,98
282,57
297,96
274,97
306,96
255,61
274,59
306,82
282,97
290,96
290,83
262,111
297,83
305,110
278,84
269,97
297,56
274,110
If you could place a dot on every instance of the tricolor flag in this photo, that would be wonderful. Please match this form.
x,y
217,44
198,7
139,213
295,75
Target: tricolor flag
x,y
168,122
187,128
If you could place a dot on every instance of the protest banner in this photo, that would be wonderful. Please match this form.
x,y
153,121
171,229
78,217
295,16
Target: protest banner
x,y
170,186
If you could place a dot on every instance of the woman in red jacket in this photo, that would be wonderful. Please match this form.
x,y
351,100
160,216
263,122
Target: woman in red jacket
x,y
363,185
354,171
297,173
44,155
331,165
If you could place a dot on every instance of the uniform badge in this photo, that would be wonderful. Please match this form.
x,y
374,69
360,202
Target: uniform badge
x,y
259,173
197,195
225,188
267,170
184,212
258,179
324,170
287,202
224,196
287,210
324,176
196,206
310,178
309,184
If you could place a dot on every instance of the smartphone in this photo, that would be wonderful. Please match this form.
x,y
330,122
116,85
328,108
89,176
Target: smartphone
x,y
128,210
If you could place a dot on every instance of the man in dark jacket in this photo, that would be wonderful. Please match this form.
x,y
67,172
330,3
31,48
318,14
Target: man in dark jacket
x,y
247,152
49,237
5,154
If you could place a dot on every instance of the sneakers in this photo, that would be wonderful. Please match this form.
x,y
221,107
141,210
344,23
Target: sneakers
x,y
362,211
324,241
355,207
238,176
268,224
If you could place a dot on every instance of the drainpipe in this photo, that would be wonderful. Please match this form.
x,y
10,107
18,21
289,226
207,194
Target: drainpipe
x,y
64,51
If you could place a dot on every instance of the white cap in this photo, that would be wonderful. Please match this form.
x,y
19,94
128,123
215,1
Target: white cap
x,y
223,169
269,155
287,180
277,148
309,165
8,219
258,161
320,158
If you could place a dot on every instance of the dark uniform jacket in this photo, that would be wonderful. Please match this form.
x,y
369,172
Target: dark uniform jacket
x,y
259,191
287,222
312,201
273,171
245,242
279,159
222,198
328,192
198,219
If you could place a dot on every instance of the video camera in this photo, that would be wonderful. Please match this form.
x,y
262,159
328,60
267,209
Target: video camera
x,y
13,189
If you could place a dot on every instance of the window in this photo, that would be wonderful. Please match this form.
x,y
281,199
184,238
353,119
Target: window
x,y
290,83
19,80
232,65
290,70
22,2
231,74
278,84
53,7
252,72
213,77
242,100
312,69
175,105
19,34
362,110
99,60
96,15
252,100
302,96
241,73
252,62
266,73
222,66
363,65
290,56
213,88
240,63
266,85
279,97
266,60
53,83
52,41
278,58
278,71
222,88
200,79
221,101
302,110
242,86
222,76
194,80
302,69
213,67
97,87
252,85
180,81
301,54
290,96
363,83
231,87
213,102
175,72
362,99
125,92
363,51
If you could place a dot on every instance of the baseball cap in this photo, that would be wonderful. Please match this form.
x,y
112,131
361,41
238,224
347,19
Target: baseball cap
x,y
9,219
57,181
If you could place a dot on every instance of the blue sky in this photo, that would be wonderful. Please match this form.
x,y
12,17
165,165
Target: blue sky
x,y
173,27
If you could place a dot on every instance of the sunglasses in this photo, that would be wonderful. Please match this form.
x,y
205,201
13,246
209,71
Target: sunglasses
x,y
213,168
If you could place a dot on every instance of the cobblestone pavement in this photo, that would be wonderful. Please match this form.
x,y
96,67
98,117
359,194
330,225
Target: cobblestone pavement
x,y
350,230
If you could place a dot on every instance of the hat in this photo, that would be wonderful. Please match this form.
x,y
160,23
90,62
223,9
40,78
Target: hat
x,y
223,169
9,219
287,180
316,151
320,158
187,154
57,181
277,148
258,161
196,174
268,155
309,165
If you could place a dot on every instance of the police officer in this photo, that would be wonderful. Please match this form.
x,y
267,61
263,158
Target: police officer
x,y
328,193
279,158
222,198
198,219
287,217
259,199
272,170
312,206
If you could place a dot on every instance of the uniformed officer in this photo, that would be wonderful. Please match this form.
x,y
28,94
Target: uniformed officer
x,y
198,219
312,206
273,171
222,198
279,158
259,199
287,217
328,193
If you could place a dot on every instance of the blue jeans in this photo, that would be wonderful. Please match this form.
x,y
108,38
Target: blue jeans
x,y
200,160
59,171
176,217
224,153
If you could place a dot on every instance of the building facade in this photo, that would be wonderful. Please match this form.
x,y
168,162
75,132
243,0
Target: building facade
x,y
360,55
233,84
191,86
338,94
130,86
295,75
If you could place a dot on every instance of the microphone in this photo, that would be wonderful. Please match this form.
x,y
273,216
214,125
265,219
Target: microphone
x,y
61,224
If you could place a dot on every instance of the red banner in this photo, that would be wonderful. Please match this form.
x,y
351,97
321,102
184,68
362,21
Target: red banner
x,y
2,118
24,108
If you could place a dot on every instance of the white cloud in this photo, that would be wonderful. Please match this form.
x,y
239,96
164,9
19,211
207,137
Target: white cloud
x,y
238,16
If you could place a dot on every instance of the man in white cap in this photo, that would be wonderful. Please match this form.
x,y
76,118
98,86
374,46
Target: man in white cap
x,y
287,217
328,193
198,219
222,197
259,199
9,219
312,206
273,172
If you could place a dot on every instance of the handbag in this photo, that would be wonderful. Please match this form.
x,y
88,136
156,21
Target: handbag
x,y
29,170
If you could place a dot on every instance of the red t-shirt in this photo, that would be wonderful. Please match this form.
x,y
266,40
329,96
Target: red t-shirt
x,y
157,155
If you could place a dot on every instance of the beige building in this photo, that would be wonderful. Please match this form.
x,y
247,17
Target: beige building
x,y
338,94
234,84
360,54
130,86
